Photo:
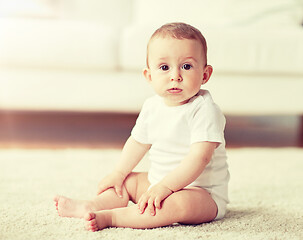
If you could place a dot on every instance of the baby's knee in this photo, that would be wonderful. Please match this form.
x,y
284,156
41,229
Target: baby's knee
x,y
192,207
180,202
130,180
136,184
130,184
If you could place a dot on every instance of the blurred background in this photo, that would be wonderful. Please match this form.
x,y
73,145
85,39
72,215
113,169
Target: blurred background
x,y
71,70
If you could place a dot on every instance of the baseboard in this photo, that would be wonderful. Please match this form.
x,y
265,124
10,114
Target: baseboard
x,y
57,129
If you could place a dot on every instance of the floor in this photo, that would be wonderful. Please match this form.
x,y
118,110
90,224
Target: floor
x,y
29,129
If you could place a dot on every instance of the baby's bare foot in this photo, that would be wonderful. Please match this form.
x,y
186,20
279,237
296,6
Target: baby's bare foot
x,y
97,220
67,207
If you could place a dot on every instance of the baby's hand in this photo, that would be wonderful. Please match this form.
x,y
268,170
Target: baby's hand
x,y
151,200
114,180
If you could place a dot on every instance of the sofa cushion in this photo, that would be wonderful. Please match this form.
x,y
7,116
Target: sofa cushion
x,y
256,50
262,13
60,90
58,44
28,8
220,12
113,12
159,11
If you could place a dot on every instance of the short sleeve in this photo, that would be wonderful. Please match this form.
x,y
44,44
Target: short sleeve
x,y
207,124
139,131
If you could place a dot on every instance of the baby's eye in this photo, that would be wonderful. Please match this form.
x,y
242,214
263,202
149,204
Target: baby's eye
x,y
164,68
186,66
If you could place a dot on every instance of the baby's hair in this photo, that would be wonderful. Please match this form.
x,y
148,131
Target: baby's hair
x,y
180,31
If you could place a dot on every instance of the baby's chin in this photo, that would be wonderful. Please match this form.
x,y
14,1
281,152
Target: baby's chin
x,y
175,102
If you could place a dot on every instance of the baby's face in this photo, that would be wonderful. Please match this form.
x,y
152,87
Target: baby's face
x,y
176,69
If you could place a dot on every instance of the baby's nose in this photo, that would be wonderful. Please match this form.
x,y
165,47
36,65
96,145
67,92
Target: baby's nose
x,y
176,77
179,79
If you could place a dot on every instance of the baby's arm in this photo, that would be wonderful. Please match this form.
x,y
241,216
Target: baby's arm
x,y
132,153
189,169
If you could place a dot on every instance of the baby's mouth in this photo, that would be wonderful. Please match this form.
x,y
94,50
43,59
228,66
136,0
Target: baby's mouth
x,y
174,90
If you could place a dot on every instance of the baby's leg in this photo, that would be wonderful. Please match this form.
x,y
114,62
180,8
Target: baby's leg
x,y
68,207
188,206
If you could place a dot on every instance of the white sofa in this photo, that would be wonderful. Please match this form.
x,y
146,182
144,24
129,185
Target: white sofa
x,y
88,55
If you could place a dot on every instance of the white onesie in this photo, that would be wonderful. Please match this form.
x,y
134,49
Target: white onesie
x,y
171,131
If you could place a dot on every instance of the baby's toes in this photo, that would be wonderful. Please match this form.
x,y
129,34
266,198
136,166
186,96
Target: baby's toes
x,y
56,200
92,225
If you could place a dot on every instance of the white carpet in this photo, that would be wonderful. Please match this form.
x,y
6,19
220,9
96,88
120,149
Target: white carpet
x,y
266,192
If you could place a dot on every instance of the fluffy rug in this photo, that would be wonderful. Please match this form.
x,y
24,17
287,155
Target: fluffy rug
x,y
266,191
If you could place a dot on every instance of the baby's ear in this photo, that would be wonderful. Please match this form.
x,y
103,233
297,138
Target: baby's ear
x,y
208,70
147,75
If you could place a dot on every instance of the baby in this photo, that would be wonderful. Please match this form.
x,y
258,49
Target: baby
x,y
183,131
